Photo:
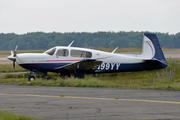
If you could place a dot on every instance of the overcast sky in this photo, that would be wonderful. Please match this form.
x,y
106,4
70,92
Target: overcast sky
x,y
22,16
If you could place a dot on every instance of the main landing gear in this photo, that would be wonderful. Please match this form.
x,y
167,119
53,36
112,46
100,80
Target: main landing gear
x,y
65,75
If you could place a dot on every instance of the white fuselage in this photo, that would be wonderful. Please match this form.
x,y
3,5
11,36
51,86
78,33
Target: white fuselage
x,y
111,61
30,58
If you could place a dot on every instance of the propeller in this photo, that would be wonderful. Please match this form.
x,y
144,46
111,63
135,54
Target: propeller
x,y
15,51
13,57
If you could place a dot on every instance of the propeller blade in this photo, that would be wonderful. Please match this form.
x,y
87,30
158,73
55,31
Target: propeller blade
x,y
13,66
15,51
12,52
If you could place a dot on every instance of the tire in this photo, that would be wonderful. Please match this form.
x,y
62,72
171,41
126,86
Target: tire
x,y
65,76
31,78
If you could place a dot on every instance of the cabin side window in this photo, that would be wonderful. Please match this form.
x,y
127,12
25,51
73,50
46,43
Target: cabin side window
x,y
50,51
80,53
62,52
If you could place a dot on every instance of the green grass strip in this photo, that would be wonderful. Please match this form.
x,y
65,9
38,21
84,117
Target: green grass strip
x,y
7,115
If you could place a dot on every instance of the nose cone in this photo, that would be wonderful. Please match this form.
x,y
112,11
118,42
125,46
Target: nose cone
x,y
11,57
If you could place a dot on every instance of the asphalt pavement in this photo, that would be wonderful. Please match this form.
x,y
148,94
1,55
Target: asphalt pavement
x,y
71,103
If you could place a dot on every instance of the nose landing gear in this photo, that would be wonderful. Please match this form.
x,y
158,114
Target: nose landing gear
x,y
31,78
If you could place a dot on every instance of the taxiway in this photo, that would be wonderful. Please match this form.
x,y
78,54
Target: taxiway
x,y
60,103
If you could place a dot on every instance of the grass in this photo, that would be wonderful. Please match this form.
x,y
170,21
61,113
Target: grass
x,y
6,115
9,68
125,80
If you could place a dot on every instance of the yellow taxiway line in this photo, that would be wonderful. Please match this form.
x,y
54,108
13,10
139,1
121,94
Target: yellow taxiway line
x,y
94,98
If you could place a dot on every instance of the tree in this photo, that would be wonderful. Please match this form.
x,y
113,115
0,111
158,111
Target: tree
x,y
12,45
22,45
40,40
132,45
51,44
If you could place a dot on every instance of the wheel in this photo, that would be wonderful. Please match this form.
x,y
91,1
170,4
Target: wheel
x,y
65,76
31,78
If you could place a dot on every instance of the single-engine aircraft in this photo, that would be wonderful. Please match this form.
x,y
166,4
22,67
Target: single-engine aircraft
x,y
68,60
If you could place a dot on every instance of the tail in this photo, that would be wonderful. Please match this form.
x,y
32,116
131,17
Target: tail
x,y
152,49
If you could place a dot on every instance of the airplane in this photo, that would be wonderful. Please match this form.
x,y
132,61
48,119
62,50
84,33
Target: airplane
x,y
68,60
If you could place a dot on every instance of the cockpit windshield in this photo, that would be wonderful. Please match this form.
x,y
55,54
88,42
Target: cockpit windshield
x,y
50,51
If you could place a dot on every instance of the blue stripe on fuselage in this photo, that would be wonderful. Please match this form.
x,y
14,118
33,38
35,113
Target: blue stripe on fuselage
x,y
103,68
148,65
50,67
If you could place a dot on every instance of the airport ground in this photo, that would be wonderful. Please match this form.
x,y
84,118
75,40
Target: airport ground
x,y
66,103
69,103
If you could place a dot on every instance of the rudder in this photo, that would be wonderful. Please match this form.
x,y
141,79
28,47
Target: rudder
x,y
158,51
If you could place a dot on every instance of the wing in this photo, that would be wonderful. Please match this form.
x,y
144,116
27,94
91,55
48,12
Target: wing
x,y
85,64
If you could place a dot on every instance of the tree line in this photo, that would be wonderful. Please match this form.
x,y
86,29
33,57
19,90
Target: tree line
x,y
41,40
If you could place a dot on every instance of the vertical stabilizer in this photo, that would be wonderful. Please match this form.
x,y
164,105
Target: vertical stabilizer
x,y
148,48
158,53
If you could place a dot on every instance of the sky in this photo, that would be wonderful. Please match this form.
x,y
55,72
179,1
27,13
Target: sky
x,y
24,16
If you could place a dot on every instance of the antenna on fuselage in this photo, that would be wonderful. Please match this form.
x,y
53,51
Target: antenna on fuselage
x,y
70,44
114,50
